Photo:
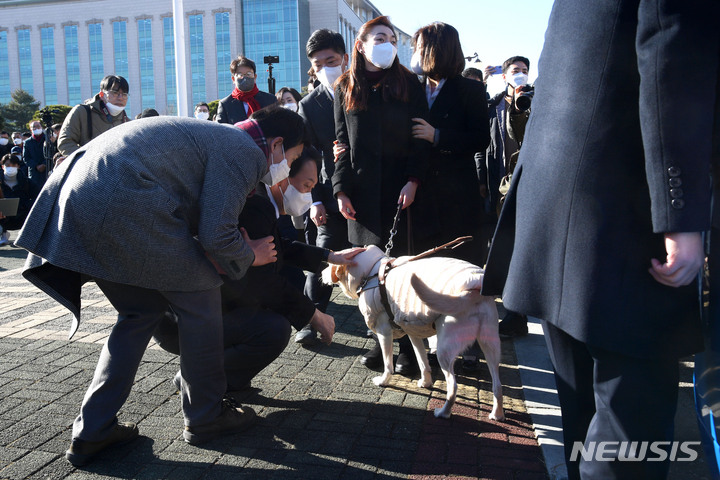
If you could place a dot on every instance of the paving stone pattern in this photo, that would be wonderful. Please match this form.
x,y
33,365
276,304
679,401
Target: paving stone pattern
x,y
320,415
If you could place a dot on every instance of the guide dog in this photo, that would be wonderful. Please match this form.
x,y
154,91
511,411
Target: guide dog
x,y
429,296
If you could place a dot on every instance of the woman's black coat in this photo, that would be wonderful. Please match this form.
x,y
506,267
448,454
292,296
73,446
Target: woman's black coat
x,y
381,158
460,115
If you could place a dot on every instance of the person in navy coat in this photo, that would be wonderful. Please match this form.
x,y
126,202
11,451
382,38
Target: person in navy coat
x,y
600,234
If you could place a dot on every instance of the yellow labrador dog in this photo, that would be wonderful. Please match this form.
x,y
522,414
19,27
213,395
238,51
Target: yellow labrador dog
x,y
430,296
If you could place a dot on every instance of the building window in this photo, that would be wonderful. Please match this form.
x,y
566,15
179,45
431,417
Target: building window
x,y
25,60
170,85
197,58
272,27
97,69
222,41
120,49
147,80
4,69
72,59
47,42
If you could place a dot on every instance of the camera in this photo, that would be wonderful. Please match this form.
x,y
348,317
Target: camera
x,y
271,59
46,115
523,97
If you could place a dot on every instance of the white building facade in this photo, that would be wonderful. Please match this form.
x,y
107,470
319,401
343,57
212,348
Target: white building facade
x,y
59,51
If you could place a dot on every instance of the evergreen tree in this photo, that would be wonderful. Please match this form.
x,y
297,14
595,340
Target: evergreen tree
x,y
19,111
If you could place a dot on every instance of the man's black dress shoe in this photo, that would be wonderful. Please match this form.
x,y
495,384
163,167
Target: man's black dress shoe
x,y
373,358
406,364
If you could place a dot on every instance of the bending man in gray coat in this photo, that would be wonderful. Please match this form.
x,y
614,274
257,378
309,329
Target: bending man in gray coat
x,y
139,211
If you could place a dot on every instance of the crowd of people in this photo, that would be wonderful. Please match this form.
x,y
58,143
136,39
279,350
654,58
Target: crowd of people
x,y
403,159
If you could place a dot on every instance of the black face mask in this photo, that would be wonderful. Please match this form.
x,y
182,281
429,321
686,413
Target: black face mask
x,y
244,84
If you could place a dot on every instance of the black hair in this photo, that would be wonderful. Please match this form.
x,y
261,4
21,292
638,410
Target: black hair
x,y
276,121
442,55
295,94
472,73
149,112
27,134
115,82
309,154
242,61
201,104
323,39
9,158
4,133
517,58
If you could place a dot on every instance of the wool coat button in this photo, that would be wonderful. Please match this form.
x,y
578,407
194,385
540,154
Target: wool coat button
x,y
675,182
676,192
678,203
674,171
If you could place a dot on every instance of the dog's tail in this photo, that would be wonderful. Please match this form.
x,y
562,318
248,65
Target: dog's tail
x,y
442,302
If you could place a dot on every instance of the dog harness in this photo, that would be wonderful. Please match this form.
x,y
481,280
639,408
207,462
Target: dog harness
x,y
387,264
378,281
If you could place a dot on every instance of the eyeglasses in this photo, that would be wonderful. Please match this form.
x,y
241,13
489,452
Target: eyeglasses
x,y
116,94
245,75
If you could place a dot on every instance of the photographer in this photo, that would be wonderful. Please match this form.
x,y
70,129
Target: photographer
x,y
52,131
246,98
508,111
34,158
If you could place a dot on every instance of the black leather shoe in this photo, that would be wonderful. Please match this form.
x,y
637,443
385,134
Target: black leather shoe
x,y
513,325
373,358
406,364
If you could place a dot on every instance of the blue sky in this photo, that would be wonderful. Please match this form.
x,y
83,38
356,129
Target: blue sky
x,y
495,29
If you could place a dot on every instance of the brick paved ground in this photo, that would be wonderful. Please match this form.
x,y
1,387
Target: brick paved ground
x,y
321,416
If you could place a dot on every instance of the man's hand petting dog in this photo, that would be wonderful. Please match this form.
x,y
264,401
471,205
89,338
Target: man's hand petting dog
x,y
344,257
324,324
263,248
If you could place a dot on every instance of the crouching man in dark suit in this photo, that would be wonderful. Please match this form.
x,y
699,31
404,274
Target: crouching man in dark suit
x,y
140,212
605,211
259,308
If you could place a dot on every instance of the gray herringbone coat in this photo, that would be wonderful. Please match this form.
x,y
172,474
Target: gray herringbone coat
x,y
143,203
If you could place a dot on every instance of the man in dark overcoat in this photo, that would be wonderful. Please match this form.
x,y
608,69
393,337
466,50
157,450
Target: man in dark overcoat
x,y
608,200
140,210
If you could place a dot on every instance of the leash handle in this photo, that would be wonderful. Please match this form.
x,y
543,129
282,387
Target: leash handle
x,y
446,246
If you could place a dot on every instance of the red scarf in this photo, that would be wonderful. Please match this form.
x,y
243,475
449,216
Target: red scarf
x,y
248,97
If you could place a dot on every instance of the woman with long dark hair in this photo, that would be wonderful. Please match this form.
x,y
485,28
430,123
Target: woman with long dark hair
x,y
383,165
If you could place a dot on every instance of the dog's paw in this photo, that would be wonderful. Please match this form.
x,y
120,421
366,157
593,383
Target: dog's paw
x,y
441,413
425,382
381,380
497,416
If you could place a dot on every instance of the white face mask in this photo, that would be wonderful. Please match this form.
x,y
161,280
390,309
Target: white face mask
x,y
329,75
517,80
416,63
37,132
294,202
114,110
290,106
12,172
202,115
381,55
17,141
277,172
4,141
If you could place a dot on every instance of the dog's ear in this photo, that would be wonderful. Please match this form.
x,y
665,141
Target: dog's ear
x,y
339,273
333,274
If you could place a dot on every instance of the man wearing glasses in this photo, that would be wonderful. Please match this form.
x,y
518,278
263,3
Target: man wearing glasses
x,y
97,115
246,98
